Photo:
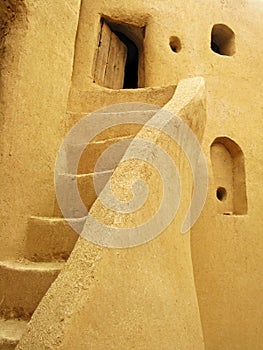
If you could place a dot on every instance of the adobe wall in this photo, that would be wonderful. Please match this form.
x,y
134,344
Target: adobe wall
x,y
37,59
226,249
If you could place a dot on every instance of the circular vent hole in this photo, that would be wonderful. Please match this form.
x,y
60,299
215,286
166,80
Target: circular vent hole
x,y
175,44
221,194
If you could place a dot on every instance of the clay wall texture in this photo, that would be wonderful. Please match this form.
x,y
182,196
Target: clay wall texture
x,y
48,54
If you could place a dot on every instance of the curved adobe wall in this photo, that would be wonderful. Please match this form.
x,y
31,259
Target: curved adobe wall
x,y
226,248
37,63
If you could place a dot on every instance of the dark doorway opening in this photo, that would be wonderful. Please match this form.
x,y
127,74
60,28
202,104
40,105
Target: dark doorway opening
x,y
132,62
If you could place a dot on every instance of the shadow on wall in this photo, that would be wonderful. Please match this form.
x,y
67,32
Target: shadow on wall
x,y
10,11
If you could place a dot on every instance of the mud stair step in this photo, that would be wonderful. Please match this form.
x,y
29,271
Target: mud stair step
x,y
85,189
91,152
50,239
23,285
82,160
120,127
79,100
11,332
79,159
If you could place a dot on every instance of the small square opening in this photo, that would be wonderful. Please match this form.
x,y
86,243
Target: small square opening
x,y
223,40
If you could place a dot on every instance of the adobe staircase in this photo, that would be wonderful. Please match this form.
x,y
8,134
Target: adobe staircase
x,y
50,240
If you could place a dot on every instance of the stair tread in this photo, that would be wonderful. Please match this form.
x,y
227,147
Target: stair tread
x,y
103,141
57,220
12,329
26,265
80,176
108,111
125,112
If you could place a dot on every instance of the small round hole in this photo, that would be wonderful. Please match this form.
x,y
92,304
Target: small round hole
x,y
175,44
221,194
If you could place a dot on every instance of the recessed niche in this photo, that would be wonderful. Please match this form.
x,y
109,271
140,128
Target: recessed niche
x,y
175,44
119,61
223,40
229,176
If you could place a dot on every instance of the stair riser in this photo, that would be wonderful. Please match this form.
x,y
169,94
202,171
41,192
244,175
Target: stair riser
x,y
8,345
92,152
22,290
49,239
86,190
79,101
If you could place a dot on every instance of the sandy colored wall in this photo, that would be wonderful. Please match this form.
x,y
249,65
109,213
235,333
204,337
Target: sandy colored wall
x,y
37,61
226,250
